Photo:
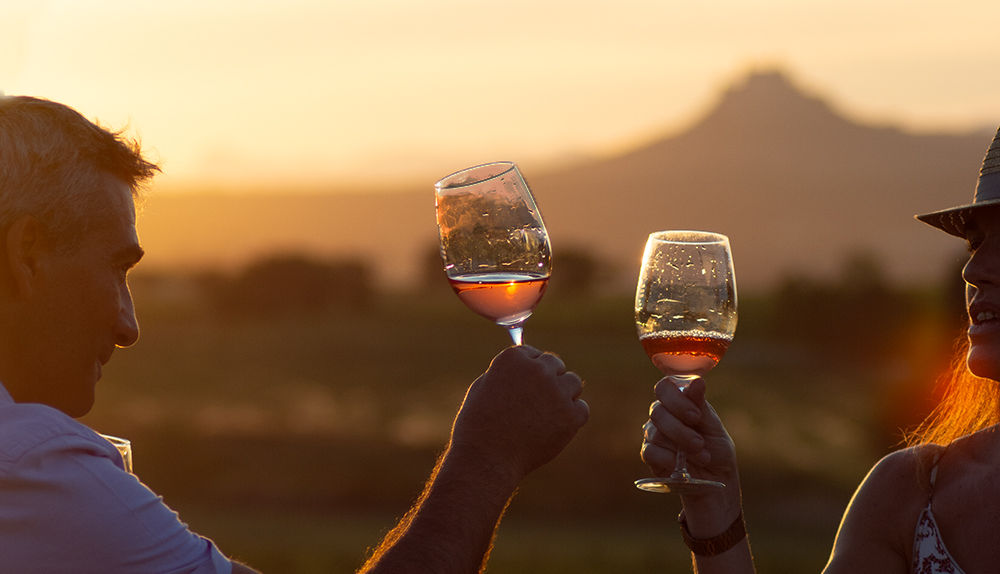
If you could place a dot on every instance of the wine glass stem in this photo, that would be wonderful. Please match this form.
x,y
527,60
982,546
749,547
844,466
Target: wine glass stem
x,y
516,333
680,467
680,461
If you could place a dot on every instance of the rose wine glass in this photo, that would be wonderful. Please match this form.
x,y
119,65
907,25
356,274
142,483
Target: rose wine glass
x,y
494,245
685,312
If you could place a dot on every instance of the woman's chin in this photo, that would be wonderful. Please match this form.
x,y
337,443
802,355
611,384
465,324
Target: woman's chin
x,y
984,362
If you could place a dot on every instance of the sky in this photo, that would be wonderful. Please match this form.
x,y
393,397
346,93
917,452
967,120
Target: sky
x,y
350,94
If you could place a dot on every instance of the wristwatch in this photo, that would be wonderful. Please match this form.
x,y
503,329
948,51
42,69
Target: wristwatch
x,y
731,537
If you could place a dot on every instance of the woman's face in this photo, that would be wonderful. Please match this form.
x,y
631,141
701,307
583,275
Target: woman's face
x,y
982,292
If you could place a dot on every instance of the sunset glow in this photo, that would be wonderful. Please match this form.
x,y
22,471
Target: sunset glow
x,y
320,94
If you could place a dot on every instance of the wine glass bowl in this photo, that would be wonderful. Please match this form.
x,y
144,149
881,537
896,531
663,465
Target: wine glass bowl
x,y
493,241
685,315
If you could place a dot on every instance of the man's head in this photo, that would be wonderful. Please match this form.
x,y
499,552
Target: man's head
x,y
67,240
54,164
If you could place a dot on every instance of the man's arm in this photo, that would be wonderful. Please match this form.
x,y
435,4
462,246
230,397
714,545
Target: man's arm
x,y
516,417
452,526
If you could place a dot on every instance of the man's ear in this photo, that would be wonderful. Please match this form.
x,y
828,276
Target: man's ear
x,y
25,244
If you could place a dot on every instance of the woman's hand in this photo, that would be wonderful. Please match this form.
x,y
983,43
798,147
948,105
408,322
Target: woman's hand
x,y
687,420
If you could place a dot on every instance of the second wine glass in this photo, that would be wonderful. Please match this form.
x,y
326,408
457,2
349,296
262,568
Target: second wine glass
x,y
685,313
494,245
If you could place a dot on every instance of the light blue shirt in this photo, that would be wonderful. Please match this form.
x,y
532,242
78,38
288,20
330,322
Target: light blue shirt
x,y
68,506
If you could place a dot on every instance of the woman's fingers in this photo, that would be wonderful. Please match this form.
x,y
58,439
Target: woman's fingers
x,y
670,432
659,459
682,405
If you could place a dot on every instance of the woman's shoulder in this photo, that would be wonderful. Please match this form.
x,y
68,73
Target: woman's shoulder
x,y
897,489
905,471
975,444
876,534
973,457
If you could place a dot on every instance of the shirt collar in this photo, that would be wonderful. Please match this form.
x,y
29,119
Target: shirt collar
x,y
4,395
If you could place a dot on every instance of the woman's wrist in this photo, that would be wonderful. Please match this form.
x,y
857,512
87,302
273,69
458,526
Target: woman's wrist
x,y
708,515
717,544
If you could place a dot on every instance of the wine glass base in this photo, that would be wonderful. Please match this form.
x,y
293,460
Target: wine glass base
x,y
677,485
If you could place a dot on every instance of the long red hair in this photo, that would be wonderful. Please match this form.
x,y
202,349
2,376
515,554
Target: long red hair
x,y
969,404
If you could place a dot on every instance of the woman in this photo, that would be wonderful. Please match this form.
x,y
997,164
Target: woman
x,y
931,508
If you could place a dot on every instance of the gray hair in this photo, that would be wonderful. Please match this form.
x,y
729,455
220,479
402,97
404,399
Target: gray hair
x,y
55,165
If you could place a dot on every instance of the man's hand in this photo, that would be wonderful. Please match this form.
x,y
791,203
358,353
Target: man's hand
x,y
521,413
516,417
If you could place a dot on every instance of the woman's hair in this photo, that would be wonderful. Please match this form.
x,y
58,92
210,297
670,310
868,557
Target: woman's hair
x,y
55,165
969,404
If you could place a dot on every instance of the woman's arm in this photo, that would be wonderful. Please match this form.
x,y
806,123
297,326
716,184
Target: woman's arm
x,y
875,535
687,420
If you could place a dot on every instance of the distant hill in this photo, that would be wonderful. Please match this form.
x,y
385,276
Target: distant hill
x,y
795,185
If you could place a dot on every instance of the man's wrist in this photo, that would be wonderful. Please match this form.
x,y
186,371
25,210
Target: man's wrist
x,y
469,461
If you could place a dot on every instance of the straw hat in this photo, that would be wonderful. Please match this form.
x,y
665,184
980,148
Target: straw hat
x,y
954,220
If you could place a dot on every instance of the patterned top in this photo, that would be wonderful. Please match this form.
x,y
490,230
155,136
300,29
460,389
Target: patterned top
x,y
929,553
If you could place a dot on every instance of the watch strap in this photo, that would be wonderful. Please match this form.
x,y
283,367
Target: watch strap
x,y
731,537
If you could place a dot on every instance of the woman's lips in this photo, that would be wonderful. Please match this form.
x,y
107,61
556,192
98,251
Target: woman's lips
x,y
985,323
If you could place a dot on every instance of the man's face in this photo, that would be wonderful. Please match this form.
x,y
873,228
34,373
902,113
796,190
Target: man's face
x,y
84,308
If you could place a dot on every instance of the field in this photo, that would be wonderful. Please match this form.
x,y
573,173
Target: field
x,y
295,441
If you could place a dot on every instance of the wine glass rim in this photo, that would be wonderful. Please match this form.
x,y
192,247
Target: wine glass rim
x,y
689,236
508,165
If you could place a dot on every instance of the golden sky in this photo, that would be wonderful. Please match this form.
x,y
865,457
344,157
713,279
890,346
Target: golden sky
x,y
236,94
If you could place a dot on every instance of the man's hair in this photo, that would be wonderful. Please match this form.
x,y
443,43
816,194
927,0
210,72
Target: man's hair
x,y
55,165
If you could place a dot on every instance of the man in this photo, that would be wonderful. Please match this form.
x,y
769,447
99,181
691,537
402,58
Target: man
x,y
67,241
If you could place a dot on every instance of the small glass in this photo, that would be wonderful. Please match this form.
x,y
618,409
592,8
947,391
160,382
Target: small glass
x,y
124,447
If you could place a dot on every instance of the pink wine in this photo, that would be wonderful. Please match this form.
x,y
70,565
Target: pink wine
x,y
685,352
504,298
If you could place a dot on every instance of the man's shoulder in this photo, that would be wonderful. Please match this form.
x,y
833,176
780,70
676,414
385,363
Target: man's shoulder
x,y
26,426
64,507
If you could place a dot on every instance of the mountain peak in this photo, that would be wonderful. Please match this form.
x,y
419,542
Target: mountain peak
x,y
769,81
770,100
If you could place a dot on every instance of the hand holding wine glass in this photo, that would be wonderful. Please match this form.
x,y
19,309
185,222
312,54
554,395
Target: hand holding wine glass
x,y
494,245
685,313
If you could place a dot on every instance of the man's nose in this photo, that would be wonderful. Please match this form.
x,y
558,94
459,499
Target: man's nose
x,y
127,332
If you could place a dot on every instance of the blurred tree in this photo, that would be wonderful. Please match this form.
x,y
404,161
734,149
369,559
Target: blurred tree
x,y
859,316
291,284
574,272
433,277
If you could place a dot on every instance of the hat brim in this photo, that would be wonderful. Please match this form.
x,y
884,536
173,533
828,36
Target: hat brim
x,y
954,220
